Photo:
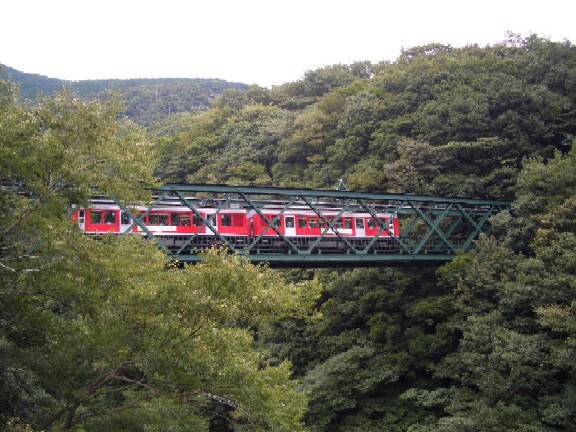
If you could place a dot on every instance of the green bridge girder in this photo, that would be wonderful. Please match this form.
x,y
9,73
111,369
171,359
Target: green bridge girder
x,y
432,228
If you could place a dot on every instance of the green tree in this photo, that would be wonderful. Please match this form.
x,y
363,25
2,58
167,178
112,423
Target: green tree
x,y
248,149
512,369
187,143
106,335
110,339
380,332
60,152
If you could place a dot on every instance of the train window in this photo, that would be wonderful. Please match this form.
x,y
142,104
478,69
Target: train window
x,y
314,223
226,220
348,223
95,217
197,220
182,219
371,223
360,223
124,218
185,219
289,220
158,219
301,222
110,217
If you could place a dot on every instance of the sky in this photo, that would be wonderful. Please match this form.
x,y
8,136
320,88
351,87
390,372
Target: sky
x,y
263,42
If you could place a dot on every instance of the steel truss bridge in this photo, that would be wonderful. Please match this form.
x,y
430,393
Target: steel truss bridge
x,y
432,229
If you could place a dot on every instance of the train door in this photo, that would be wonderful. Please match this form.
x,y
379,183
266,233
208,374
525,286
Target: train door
x,y
212,218
81,220
391,227
289,226
360,228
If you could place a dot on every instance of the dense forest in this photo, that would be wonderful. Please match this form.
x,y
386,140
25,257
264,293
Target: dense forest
x,y
109,336
147,100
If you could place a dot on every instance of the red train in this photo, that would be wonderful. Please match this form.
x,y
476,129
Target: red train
x,y
269,229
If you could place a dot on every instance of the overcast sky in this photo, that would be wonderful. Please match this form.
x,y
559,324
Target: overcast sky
x,y
264,42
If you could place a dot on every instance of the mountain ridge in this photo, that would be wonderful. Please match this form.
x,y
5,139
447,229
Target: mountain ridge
x,y
147,99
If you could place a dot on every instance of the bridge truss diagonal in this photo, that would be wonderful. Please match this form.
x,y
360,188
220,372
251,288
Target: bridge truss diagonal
x,y
431,229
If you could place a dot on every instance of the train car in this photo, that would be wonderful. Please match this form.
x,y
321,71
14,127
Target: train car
x,y
332,232
181,228
174,220
307,223
103,218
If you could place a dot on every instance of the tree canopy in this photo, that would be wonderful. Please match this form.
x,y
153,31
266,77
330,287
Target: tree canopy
x,y
106,334
440,119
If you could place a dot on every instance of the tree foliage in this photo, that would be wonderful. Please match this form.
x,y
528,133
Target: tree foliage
x,y
113,340
105,334
480,111
510,369
147,100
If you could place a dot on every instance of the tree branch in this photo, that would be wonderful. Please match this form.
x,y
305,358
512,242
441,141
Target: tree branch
x,y
35,206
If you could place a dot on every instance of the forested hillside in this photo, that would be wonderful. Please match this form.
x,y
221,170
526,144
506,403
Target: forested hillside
x,y
437,121
485,343
147,100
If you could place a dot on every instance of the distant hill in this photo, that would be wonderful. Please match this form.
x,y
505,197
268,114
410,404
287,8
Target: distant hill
x,y
147,100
